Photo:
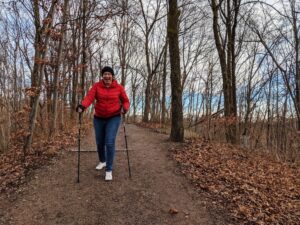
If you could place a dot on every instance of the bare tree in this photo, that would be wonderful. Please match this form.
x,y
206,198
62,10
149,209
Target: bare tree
x,y
124,27
225,37
42,36
151,70
287,60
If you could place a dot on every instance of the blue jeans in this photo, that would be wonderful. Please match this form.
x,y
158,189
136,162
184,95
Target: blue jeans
x,y
106,132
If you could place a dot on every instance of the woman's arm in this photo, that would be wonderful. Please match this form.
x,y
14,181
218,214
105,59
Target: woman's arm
x,y
124,99
90,97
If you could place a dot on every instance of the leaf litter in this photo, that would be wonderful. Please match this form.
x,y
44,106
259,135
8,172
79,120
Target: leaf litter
x,y
254,187
14,167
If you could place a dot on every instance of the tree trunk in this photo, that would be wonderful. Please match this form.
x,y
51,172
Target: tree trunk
x,y
177,130
84,61
57,68
295,25
163,101
75,52
148,84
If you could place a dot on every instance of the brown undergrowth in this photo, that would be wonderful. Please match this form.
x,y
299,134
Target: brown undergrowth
x,y
254,187
14,167
156,127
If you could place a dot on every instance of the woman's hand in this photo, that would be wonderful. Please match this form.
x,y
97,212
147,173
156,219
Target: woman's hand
x,y
80,108
123,111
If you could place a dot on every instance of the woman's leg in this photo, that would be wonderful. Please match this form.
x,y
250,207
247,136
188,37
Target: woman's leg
x,y
99,126
112,126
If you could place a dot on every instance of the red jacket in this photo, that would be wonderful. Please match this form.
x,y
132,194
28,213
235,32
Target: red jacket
x,y
108,99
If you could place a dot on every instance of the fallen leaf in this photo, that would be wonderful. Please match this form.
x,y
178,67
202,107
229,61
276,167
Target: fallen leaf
x,y
173,211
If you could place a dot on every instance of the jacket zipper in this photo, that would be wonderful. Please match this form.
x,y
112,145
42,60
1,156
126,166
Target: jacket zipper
x,y
107,92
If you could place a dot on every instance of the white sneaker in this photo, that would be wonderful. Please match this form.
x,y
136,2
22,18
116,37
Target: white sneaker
x,y
101,165
108,175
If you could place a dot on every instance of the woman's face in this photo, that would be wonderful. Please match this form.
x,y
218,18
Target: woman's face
x,y
107,78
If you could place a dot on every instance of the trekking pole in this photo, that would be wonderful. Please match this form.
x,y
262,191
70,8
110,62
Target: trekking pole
x,y
78,162
126,146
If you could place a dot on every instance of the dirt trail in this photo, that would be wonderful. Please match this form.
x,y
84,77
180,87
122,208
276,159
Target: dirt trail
x,y
54,197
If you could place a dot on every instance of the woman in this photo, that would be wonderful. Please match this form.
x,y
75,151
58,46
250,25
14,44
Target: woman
x,y
111,102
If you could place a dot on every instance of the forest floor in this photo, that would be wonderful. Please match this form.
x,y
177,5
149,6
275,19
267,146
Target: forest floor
x,y
194,183
157,193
